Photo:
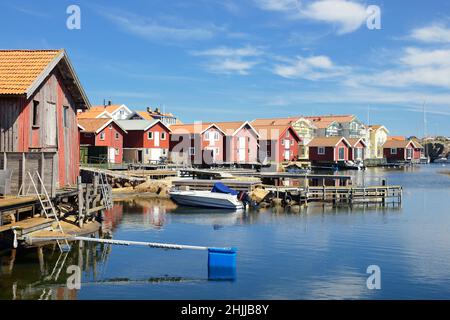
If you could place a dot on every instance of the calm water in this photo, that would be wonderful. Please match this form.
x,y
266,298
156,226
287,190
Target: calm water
x,y
320,253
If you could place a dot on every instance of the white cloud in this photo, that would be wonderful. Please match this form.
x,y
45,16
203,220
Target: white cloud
x,y
278,5
247,51
231,66
310,68
228,60
435,33
346,15
416,67
152,29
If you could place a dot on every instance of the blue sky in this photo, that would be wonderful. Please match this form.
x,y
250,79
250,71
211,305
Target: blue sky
x,y
241,59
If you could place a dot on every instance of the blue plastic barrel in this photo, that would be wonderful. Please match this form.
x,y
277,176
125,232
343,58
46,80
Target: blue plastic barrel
x,y
222,263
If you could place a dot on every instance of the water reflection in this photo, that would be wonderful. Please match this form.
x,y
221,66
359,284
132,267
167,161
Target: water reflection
x,y
321,251
41,273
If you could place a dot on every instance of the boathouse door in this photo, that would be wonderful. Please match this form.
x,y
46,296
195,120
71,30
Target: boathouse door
x,y
50,125
241,145
287,155
156,137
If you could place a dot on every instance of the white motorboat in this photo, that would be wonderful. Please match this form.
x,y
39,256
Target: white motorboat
x,y
206,199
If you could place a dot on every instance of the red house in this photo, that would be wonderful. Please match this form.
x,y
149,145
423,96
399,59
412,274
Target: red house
x,y
101,140
146,141
241,142
396,150
329,150
198,144
39,97
277,143
358,149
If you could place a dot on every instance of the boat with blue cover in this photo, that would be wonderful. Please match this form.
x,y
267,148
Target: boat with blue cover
x,y
220,196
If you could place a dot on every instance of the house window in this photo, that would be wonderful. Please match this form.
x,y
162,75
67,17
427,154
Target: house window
x,y
35,113
216,136
117,136
66,116
287,134
192,151
149,135
163,136
321,150
282,142
102,136
117,151
110,127
393,150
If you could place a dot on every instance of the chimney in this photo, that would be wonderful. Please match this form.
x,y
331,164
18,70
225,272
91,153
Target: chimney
x,y
109,102
149,109
157,110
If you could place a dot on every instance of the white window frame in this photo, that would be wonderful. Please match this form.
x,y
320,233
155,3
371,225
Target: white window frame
x,y
150,135
394,150
163,136
216,136
102,136
321,150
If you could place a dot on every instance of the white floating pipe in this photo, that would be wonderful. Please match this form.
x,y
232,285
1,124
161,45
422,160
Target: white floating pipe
x,y
140,243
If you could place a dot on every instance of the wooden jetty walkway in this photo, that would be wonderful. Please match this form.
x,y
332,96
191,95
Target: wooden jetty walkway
x,y
348,195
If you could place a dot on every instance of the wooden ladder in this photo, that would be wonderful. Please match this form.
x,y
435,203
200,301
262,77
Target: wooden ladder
x,y
49,210
107,198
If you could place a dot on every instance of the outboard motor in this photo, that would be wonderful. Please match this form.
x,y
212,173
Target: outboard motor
x,y
246,200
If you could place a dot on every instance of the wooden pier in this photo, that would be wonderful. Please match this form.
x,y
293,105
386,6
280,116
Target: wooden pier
x,y
356,195
74,211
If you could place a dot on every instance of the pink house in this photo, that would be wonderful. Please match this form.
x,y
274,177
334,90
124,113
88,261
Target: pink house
x,y
241,142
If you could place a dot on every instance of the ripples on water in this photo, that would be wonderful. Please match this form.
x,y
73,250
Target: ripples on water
x,y
321,253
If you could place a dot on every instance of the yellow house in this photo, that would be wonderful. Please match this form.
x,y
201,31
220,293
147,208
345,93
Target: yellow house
x,y
303,127
377,137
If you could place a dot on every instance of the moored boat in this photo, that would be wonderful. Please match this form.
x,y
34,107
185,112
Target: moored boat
x,y
206,199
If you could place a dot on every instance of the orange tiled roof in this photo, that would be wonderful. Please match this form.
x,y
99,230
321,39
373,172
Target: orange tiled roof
x,y
20,68
109,108
145,115
92,125
89,114
190,128
398,138
331,118
396,143
271,131
274,121
325,141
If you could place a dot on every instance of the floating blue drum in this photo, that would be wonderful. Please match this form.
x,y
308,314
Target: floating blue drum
x,y
222,263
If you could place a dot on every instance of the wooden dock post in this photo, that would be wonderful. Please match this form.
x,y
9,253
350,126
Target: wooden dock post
x,y
80,202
